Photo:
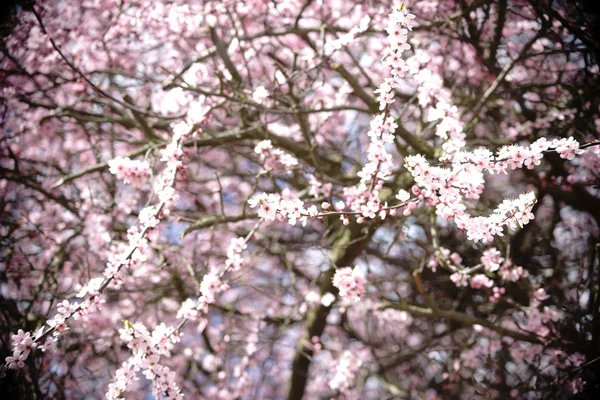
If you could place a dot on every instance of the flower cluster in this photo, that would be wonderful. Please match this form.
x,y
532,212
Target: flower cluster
x,y
436,100
350,282
510,272
516,156
147,349
361,200
449,127
537,320
345,373
491,262
260,95
211,285
235,261
66,310
497,293
481,281
364,198
134,172
459,278
567,148
444,188
131,171
346,38
124,377
399,23
275,159
22,344
271,206
318,188
381,131
491,259
130,256
190,310
510,213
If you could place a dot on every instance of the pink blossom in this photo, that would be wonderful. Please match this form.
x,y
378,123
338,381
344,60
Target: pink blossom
x,y
275,159
211,285
567,148
22,345
188,310
350,282
260,94
498,292
345,373
403,195
134,172
511,273
480,281
268,205
459,279
491,259
234,259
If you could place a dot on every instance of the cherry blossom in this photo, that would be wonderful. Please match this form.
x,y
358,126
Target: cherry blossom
x,y
134,172
299,199
350,282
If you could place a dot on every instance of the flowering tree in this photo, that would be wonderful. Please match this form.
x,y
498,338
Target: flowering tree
x,y
299,199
